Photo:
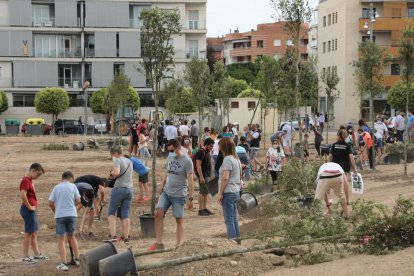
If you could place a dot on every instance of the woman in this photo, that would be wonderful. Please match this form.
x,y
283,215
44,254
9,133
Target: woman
x,y
134,139
143,145
186,146
230,184
318,140
342,154
226,132
275,160
206,134
235,130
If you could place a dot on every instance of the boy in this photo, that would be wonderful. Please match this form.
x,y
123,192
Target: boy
x,y
28,211
306,147
142,171
63,200
87,199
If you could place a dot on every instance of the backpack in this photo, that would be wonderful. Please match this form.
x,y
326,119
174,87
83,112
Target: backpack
x,y
193,158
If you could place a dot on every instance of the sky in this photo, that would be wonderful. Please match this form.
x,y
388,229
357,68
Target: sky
x,y
223,15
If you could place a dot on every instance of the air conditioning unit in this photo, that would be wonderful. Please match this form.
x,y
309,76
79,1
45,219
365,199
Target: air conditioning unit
x,y
66,85
75,84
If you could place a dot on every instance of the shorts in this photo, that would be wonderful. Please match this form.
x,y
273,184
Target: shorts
x,y
305,153
120,198
325,150
274,175
379,143
87,204
253,153
65,225
325,184
29,218
143,178
287,142
165,202
203,187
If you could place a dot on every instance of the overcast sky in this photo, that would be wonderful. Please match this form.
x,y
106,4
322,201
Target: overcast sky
x,y
223,15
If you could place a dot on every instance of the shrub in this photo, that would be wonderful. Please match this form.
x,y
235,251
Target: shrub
x,y
55,147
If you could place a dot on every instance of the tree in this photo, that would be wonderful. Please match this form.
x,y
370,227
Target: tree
x,y
158,28
235,86
369,74
178,97
330,79
4,103
251,93
52,100
244,71
396,97
406,57
197,75
221,88
309,87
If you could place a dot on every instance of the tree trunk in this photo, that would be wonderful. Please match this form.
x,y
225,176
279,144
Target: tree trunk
x,y
154,150
200,129
255,109
406,127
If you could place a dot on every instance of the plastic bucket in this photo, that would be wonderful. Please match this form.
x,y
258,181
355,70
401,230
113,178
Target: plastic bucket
x,y
305,201
89,261
247,202
120,264
110,144
147,222
78,146
394,158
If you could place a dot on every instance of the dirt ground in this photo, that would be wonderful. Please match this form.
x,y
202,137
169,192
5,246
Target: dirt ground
x,y
202,234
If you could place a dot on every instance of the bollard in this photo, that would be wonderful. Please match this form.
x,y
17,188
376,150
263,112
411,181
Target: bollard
x,y
120,264
78,146
89,261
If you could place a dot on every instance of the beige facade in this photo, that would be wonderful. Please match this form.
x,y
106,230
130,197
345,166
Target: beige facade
x,y
338,37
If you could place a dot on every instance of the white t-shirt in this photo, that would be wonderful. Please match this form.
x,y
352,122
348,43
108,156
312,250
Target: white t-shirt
x,y
235,132
330,167
275,159
170,132
184,130
289,131
321,118
216,147
381,129
399,123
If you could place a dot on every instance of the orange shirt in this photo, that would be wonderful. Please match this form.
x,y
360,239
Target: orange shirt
x,y
367,139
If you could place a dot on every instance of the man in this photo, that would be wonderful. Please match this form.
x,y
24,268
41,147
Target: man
x,y
28,211
80,125
63,200
307,123
255,138
98,185
321,122
381,132
287,137
170,132
203,172
331,176
177,185
194,134
87,199
184,129
400,126
278,135
368,145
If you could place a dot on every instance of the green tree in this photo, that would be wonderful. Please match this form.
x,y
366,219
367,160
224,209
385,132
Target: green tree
x,y
406,57
295,13
158,28
235,86
309,87
99,103
179,99
330,79
243,71
397,94
52,100
221,88
251,93
4,103
198,77
369,73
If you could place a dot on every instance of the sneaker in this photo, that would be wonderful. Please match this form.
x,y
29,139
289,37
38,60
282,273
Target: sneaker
x,y
146,198
156,246
126,241
62,267
41,257
77,262
97,218
91,234
209,212
29,260
203,213
110,239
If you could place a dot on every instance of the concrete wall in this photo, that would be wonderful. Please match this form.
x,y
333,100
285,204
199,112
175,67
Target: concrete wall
x,y
6,74
4,13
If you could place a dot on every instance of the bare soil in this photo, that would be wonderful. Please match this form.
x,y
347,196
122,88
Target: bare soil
x,y
202,234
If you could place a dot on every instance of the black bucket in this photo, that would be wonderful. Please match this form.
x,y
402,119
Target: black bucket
x,y
89,261
305,201
120,264
246,202
110,144
394,158
78,146
147,222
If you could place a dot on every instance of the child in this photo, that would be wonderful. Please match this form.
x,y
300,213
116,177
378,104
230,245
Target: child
x,y
142,171
195,149
245,144
28,211
275,160
306,147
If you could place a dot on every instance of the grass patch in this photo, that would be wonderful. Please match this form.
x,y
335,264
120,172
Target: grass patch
x,y
55,147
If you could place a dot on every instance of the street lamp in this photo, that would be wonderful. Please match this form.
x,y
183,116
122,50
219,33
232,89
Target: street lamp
x,y
85,87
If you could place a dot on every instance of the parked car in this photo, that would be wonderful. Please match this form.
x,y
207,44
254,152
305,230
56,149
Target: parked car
x,y
67,126
100,125
295,123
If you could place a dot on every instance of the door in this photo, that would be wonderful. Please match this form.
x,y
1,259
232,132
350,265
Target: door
x,y
68,76
67,45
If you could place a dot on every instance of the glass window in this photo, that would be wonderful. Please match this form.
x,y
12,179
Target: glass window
x,y
23,100
192,48
324,21
119,68
251,105
329,19
260,44
134,14
395,69
410,12
277,43
193,21
329,46
234,104
289,42
324,47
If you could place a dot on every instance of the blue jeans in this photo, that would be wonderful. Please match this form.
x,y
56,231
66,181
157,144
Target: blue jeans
x,y
144,155
120,198
165,202
216,173
244,159
230,214
65,225
30,219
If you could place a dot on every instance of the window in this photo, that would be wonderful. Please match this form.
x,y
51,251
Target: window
x,y
329,46
289,42
324,47
410,12
328,71
395,69
329,20
192,48
117,44
333,18
90,45
277,43
323,72
193,22
251,105
366,37
336,17
260,44
333,45
324,21
336,44
23,100
365,12
134,14
119,68
334,70
234,104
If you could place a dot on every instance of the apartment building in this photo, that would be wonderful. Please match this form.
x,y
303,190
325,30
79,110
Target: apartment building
x,y
340,29
269,39
47,43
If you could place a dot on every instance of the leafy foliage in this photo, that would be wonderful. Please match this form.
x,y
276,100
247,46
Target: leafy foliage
x,y
4,103
55,147
53,100
118,92
235,86
244,71
397,96
251,93
221,88
179,98
330,79
98,102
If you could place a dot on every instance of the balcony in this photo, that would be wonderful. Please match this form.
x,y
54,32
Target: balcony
x,y
390,80
70,83
59,53
89,52
44,22
195,25
4,21
387,23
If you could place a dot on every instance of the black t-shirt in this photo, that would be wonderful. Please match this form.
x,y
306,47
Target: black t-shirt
x,y
340,154
82,188
91,179
204,157
245,146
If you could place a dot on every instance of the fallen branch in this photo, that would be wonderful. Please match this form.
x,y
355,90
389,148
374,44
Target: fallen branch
x,y
226,253
144,253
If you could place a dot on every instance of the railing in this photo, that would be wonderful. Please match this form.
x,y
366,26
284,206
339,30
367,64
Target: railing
x,y
89,52
43,22
70,82
195,25
60,53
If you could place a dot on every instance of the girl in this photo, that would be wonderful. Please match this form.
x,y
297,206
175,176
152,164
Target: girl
x,y
185,145
275,160
143,145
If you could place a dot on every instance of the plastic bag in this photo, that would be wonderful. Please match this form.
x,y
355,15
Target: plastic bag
x,y
357,183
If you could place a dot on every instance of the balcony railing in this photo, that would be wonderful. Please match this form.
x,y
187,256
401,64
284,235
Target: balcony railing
x,y
196,25
135,23
70,83
89,52
61,53
44,22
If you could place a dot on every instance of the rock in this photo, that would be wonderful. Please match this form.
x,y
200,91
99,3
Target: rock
x,y
233,263
237,273
210,244
278,261
43,227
